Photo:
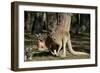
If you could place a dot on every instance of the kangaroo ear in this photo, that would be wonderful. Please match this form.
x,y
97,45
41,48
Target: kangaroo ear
x,y
38,35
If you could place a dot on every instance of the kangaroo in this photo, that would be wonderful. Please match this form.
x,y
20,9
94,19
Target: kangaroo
x,y
45,43
61,35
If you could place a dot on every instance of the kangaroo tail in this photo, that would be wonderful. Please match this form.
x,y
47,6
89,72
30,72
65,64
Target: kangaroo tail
x,y
74,52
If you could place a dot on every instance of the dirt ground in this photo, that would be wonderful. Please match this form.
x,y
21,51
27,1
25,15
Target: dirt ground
x,y
47,56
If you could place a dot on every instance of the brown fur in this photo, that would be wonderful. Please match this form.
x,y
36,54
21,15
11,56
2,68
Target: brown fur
x,y
61,35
